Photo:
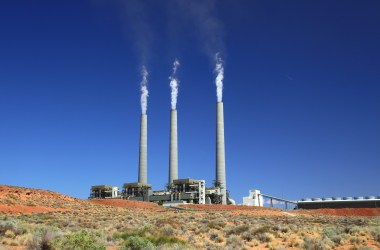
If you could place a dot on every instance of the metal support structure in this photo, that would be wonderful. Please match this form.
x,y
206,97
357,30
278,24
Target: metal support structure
x,y
202,192
278,199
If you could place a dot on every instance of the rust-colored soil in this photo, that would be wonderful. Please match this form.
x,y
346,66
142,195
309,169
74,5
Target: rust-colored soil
x,y
238,209
345,211
127,204
278,212
16,209
228,207
15,200
10,195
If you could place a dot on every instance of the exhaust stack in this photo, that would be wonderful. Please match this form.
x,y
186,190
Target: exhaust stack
x,y
173,157
220,153
143,159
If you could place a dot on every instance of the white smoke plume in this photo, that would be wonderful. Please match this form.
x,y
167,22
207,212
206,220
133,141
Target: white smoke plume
x,y
135,17
219,70
144,90
174,84
204,20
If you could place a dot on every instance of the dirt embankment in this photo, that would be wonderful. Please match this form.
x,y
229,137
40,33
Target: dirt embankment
x,y
11,195
14,200
228,207
279,212
344,211
17,209
127,204
237,209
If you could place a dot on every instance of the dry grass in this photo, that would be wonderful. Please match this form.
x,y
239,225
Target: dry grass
x,y
135,228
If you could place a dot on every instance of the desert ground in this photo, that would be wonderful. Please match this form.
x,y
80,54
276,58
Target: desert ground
x,y
40,219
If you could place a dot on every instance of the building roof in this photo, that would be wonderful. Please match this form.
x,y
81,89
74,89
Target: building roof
x,y
136,185
186,181
102,187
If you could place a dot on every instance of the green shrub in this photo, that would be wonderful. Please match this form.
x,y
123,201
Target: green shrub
x,y
216,224
138,243
213,234
263,229
375,231
248,236
11,226
234,242
236,230
164,240
43,238
282,229
323,243
145,231
334,234
78,241
264,237
353,230
148,238
168,230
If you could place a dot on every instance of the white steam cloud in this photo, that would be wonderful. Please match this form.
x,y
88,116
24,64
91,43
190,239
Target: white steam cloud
x,y
174,84
144,90
219,70
203,17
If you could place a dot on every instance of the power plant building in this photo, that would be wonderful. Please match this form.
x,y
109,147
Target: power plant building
x,y
178,191
340,202
104,192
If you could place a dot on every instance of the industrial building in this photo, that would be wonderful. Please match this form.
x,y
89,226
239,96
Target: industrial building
x,y
178,191
104,192
256,198
340,202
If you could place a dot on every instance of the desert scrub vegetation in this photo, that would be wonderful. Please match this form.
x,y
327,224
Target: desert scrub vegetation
x,y
42,238
318,243
150,238
11,226
82,240
234,242
336,234
100,227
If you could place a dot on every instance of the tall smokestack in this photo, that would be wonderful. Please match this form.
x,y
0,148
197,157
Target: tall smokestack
x,y
220,154
143,160
173,162
173,147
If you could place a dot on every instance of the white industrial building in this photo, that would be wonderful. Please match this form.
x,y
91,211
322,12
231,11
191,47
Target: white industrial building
x,y
254,199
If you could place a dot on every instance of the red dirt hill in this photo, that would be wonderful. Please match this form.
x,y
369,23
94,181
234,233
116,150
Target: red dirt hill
x,y
14,200
346,211
127,204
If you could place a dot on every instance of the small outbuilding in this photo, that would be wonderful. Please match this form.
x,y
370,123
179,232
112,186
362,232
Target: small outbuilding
x,y
104,192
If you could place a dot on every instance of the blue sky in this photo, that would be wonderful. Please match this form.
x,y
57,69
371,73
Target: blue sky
x,y
301,93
